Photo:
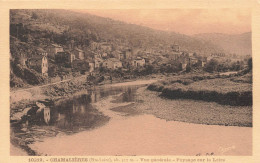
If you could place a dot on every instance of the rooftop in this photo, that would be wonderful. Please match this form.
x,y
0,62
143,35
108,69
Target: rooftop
x,y
56,46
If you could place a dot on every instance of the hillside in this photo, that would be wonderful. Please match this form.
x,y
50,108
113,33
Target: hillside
x,y
239,44
62,26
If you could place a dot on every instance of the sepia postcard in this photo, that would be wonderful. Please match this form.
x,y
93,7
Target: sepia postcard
x,y
129,81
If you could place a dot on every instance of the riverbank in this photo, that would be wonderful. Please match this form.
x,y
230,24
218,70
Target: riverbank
x,y
19,99
225,90
193,111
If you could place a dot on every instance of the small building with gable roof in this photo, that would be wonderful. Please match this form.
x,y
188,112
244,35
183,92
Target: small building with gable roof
x,y
79,54
112,63
138,62
54,49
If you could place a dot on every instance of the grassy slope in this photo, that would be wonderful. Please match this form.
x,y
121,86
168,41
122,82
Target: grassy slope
x,y
230,91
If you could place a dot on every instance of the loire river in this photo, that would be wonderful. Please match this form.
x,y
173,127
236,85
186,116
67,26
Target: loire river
x,y
106,121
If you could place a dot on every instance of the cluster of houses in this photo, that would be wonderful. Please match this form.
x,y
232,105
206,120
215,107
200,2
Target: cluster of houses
x,y
185,58
104,55
96,56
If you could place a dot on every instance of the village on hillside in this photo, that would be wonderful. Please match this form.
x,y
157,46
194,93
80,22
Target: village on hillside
x,y
48,46
100,56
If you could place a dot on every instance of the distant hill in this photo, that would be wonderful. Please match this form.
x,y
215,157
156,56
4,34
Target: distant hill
x,y
42,27
239,44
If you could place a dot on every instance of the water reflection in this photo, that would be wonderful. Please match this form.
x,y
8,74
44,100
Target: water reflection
x,y
43,115
37,116
76,113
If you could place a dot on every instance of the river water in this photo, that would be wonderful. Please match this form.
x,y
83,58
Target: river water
x,y
107,121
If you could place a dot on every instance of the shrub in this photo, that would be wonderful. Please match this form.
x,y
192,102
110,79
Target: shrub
x,y
211,66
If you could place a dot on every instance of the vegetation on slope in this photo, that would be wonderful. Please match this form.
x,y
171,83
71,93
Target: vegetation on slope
x,y
227,90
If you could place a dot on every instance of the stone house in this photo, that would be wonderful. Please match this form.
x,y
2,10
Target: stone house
x,y
201,63
39,63
88,53
40,51
91,66
192,60
148,60
112,63
54,49
120,56
97,56
184,65
94,45
105,47
175,55
64,57
98,62
79,54
138,62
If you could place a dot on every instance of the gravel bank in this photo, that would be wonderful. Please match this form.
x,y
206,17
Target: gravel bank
x,y
192,111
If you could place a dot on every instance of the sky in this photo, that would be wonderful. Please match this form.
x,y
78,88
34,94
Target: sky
x,y
184,21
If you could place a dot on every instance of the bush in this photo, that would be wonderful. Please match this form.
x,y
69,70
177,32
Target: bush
x,y
32,77
211,66
188,68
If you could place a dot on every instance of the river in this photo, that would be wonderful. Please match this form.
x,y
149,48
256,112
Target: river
x,y
108,121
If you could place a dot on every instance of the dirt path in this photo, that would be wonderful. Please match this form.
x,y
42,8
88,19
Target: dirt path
x,y
41,86
37,92
131,83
